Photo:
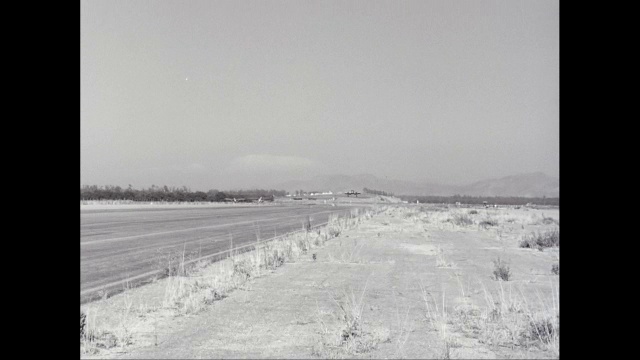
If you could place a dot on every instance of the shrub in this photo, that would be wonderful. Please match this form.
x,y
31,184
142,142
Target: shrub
x,y
501,270
243,268
461,220
543,329
83,323
334,231
213,295
488,222
541,240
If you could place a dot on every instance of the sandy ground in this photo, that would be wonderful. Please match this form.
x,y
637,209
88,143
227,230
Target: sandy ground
x,y
389,265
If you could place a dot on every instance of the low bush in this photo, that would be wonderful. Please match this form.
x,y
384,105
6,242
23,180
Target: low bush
x,y
461,220
83,323
243,268
334,232
544,330
488,222
501,270
541,240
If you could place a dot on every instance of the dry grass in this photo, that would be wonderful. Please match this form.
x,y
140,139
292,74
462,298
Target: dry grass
x,y
508,321
93,337
461,219
541,240
351,337
501,270
437,317
511,320
487,222
441,261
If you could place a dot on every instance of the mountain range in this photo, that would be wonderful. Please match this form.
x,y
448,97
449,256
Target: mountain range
x,y
523,185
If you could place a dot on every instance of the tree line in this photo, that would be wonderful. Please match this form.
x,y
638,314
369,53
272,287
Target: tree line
x,y
168,194
479,200
376,192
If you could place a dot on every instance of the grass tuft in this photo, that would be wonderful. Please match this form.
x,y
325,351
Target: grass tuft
x,y
543,330
83,323
488,222
461,220
501,270
541,240
243,268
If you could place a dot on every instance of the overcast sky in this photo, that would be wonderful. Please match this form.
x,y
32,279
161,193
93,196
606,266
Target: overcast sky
x,y
231,94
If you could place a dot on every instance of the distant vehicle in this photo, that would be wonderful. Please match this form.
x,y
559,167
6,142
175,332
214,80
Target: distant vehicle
x,y
349,193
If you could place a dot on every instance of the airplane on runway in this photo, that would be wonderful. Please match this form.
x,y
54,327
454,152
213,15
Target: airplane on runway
x,y
349,193
250,199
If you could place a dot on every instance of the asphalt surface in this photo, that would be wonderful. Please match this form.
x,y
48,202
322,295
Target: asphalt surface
x,y
126,246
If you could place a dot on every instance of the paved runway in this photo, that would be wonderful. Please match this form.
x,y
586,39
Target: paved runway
x,y
135,243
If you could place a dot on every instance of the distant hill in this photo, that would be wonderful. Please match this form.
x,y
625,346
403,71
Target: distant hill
x,y
524,185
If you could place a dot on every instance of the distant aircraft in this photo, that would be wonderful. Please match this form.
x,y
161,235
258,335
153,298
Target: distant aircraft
x,y
349,193
250,199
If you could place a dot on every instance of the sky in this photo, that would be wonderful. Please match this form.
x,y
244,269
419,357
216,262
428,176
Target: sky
x,y
246,94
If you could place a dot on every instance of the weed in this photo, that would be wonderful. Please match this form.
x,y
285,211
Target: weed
x,y
277,259
555,269
446,352
509,320
461,220
441,261
83,323
352,338
213,295
243,268
334,231
542,329
501,270
541,240
438,318
488,222
351,309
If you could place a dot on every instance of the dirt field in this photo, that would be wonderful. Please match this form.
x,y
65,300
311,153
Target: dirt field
x,y
415,281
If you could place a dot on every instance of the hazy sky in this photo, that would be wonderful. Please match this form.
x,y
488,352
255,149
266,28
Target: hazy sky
x,y
230,94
